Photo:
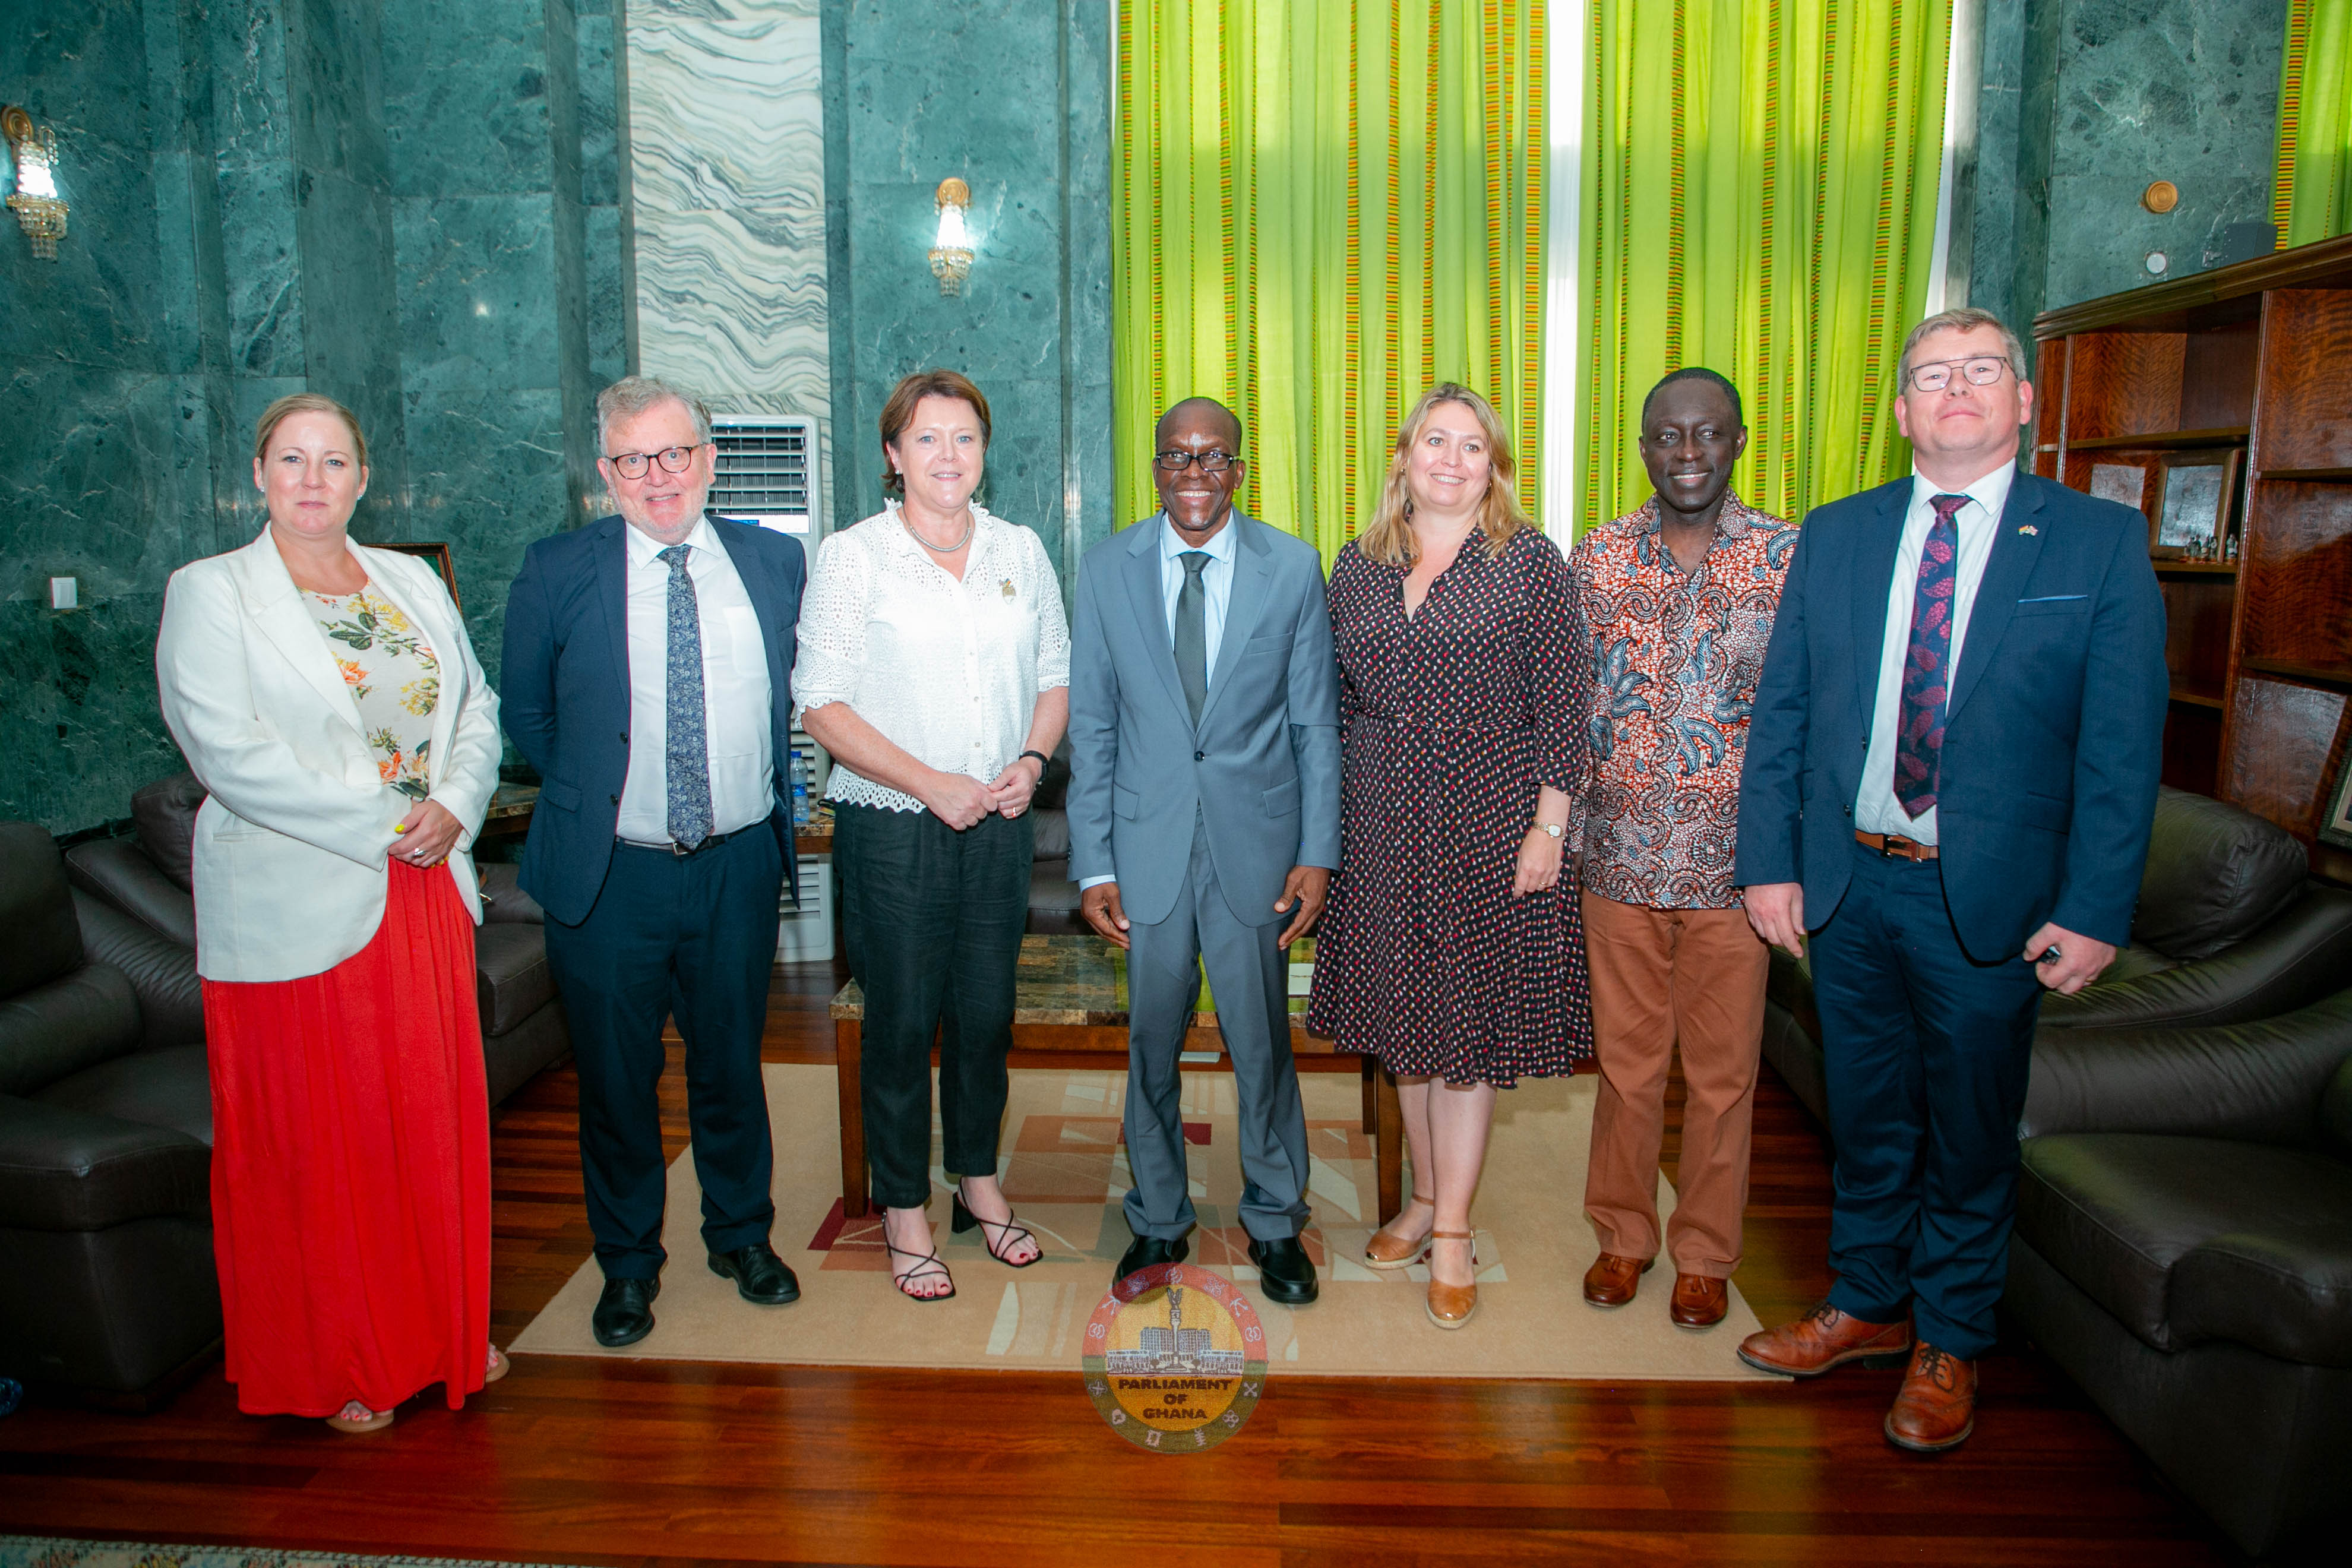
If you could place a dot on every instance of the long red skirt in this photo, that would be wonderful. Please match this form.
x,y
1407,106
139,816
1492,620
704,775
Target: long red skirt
x,y
352,1167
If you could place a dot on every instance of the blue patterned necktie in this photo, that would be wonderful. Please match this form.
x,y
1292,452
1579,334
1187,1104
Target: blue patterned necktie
x,y
686,755
1927,674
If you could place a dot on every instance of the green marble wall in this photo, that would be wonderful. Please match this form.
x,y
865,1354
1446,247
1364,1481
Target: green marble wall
x,y
2082,104
412,205
1013,96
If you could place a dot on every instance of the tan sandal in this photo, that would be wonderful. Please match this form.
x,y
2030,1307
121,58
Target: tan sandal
x,y
355,1417
1386,1251
496,1368
1452,1306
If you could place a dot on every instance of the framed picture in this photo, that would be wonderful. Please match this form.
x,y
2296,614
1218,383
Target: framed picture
x,y
2336,821
436,555
2192,514
2124,482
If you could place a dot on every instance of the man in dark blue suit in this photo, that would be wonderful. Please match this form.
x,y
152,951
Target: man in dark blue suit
x,y
1950,776
648,678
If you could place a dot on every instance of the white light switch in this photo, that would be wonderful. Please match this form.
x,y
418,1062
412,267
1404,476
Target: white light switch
x,y
65,593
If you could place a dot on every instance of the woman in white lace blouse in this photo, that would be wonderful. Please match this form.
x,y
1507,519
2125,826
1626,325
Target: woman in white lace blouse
x,y
935,668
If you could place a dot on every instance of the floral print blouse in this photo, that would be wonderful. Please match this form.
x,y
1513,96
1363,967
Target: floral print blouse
x,y
392,677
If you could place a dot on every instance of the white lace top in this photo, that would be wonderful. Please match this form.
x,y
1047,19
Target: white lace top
x,y
949,671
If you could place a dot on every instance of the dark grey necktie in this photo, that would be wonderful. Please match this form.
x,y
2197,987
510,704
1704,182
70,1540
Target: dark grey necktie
x,y
686,756
1192,632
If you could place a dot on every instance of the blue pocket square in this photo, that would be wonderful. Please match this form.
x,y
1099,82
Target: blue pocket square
x,y
2053,598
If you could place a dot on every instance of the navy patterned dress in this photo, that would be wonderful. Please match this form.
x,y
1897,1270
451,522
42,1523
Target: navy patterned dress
x,y
1452,721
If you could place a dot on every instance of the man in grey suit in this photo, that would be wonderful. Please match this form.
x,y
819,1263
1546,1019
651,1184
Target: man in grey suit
x,y
1204,819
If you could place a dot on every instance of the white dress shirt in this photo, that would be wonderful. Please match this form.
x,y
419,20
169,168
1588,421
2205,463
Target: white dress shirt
x,y
1216,579
1875,809
737,700
949,671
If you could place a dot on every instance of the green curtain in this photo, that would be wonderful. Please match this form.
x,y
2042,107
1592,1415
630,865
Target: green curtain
x,y
1758,197
1321,209
2311,195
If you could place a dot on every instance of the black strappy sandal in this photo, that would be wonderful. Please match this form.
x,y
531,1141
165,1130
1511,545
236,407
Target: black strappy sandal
x,y
926,1265
1015,1232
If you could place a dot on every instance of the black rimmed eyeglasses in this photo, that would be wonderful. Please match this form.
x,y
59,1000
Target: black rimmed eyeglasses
x,y
1981,370
1211,461
673,459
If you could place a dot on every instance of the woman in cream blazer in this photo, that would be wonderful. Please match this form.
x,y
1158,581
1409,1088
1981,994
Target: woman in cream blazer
x,y
329,699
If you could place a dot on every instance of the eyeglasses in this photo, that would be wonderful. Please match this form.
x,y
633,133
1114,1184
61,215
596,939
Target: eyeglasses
x,y
1211,461
1981,371
673,460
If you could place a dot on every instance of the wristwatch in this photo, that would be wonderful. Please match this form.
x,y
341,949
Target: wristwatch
x,y
1554,829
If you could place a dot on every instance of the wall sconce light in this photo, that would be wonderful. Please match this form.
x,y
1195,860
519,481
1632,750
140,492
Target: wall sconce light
x,y
952,255
36,202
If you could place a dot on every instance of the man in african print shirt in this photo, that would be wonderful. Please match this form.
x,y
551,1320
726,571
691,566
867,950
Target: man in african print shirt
x,y
1679,596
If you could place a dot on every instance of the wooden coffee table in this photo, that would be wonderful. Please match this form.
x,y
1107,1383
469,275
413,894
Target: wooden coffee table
x,y
1070,996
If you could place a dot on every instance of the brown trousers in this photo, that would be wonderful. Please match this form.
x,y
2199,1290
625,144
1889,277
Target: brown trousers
x,y
1661,977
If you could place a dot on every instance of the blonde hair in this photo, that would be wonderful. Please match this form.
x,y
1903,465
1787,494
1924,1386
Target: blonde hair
x,y
1388,537
295,403
1958,319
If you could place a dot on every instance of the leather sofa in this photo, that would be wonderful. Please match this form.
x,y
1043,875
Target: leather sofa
x,y
1053,895
150,876
105,1138
2230,928
2184,1250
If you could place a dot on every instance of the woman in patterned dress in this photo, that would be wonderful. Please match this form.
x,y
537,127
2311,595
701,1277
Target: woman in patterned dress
x,y
327,697
1451,948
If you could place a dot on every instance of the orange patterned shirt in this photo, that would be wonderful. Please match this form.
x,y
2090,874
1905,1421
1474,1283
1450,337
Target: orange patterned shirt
x,y
1675,658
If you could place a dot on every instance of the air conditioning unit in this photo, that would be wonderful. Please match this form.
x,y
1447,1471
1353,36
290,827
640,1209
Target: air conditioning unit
x,y
767,471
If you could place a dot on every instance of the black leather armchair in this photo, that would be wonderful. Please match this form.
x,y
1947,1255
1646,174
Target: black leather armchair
x,y
2230,928
150,878
1052,894
2184,1251
105,1138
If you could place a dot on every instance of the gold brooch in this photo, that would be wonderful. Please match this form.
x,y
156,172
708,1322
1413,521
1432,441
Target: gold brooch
x,y
1006,588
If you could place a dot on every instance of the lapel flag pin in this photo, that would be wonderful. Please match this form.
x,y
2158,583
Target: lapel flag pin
x,y
2028,528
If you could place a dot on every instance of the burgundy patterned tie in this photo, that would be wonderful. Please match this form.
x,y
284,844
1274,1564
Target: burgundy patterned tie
x,y
1920,740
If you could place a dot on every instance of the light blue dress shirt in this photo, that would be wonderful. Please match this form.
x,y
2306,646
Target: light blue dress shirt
x,y
1216,579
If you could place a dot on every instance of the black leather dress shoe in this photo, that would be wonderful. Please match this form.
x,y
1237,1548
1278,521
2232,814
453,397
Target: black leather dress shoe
x,y
758,1274
625,1312
1285,1272
1146,1251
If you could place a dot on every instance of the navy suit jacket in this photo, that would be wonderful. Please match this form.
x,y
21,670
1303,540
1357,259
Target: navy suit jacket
x,y
2053,726
564,692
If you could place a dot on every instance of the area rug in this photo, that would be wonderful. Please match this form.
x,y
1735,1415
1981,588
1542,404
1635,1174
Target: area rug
x,y
49,1551
1064,1170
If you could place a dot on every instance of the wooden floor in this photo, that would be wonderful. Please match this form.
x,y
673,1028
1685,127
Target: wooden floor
x,y
574,1460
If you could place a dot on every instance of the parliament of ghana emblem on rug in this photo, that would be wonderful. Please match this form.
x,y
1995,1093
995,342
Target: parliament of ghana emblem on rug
x,y
1175,1359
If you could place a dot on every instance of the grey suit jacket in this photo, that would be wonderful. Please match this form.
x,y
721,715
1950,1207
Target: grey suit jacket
x,y
1263,765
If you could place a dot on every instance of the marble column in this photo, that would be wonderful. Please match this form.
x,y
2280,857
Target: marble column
x,y
725,138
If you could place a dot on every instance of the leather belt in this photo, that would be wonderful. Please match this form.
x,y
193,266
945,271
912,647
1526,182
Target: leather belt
x,y
672,847
1895,847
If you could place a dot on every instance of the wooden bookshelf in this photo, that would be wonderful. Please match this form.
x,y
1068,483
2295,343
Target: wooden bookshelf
x,y
2257,356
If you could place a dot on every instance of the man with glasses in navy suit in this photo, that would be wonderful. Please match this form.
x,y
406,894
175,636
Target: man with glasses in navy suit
x,y
648,678
1951,774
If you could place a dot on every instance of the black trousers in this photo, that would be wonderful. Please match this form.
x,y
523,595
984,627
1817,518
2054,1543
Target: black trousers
x,y
933,921
1925,1052
693,938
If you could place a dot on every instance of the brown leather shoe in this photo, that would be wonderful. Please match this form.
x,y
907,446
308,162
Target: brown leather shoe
x,y
1824,1338
1612,1279
1700,1302
1452,1306
1938,1407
